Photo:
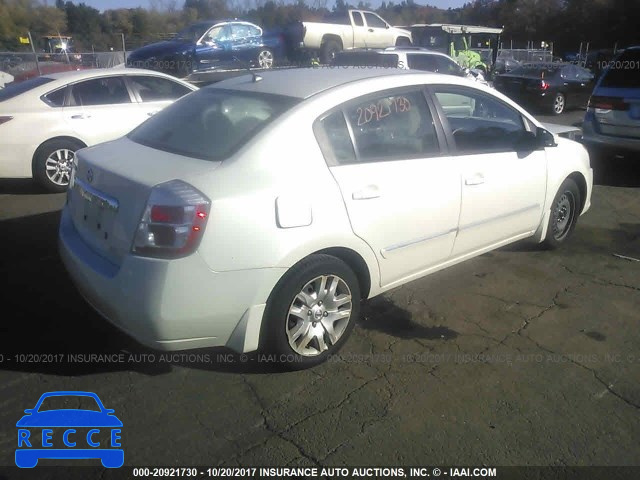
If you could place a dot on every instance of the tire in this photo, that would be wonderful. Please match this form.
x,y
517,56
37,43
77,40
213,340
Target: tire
x,y
265,58
402,42
302,311
564,214
559,103
328,50
52,164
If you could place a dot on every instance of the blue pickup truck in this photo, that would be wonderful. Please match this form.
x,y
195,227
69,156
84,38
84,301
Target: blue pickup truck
x,y
211,45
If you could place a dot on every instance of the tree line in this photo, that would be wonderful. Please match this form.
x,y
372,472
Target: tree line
x,y
566,23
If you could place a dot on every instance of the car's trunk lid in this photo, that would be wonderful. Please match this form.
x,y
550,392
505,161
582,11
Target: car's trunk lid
x,y
624,119
112,184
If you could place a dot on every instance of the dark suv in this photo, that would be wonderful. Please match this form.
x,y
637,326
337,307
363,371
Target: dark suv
x,y
612,121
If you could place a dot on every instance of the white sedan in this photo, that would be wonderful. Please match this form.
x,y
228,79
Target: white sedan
x,y
260,211
45,120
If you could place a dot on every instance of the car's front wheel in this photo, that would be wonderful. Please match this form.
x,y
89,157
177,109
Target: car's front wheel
x,y
564,214
559,103
265,58
53,162
311,312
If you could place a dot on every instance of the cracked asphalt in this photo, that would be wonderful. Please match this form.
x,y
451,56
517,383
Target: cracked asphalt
x,y
518,357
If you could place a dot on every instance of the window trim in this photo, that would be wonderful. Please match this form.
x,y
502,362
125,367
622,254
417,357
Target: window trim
x,y
455,89
323,142
124,79
129,80
65,100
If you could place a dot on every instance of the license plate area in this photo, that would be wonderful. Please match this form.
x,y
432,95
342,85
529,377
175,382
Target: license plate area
x,y
95,212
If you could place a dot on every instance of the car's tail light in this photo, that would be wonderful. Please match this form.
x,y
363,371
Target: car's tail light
x,y
543,85
5,119
173,221
608,103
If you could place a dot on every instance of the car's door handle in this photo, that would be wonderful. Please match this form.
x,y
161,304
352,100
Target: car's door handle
x,y
368,192
371,30
151,114
81,116
477,179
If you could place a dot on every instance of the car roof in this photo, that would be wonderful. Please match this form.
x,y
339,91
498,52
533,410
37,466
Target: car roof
x,y
305,82
75,75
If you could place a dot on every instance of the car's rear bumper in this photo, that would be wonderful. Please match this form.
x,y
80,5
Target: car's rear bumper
x,y
170,304
594,139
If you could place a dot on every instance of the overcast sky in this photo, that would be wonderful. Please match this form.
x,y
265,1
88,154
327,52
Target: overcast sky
x,y
107,4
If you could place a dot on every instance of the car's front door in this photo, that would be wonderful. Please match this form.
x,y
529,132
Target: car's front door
x,y
503,184
384,151
215,49
101,109
378,32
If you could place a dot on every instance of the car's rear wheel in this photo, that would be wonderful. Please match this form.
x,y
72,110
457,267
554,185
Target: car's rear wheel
x,y
265,58
564,214
559,103
328,50
402,42
311,312
52,164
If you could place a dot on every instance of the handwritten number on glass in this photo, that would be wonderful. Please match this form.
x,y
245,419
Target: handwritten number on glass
x,y
383,108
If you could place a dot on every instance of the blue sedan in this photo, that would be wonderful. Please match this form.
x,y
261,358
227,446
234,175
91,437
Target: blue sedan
x,y
212,45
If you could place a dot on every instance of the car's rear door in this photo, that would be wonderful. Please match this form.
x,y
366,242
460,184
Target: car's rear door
x,y
503,189
359,30
101,109
402,196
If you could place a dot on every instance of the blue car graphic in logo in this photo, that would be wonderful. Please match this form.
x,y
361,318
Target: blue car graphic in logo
x,y
89,432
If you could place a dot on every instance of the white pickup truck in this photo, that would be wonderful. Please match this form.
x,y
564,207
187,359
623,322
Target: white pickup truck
x,y
353,29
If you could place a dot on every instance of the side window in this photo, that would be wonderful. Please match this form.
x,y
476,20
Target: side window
x,y
334,139
253,31
357,19
448,67
100,91
56,98
419,61
392,127
238,31
155,89
220,33
480,123
374,21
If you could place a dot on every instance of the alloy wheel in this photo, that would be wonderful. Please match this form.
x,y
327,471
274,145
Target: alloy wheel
x,y
319,315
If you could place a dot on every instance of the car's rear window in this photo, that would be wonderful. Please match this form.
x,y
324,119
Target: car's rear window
x,y
623,71
535,71
211,123
365,59
15,89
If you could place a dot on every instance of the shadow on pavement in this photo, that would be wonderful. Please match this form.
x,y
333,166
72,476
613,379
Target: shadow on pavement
x,y
383,315
20,186
615,172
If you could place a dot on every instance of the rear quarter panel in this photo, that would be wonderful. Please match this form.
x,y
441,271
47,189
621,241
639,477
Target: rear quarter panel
x,y
284,167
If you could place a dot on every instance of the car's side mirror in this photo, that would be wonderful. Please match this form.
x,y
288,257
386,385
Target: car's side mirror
x,y
530,141
29,411
546,138
109,411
